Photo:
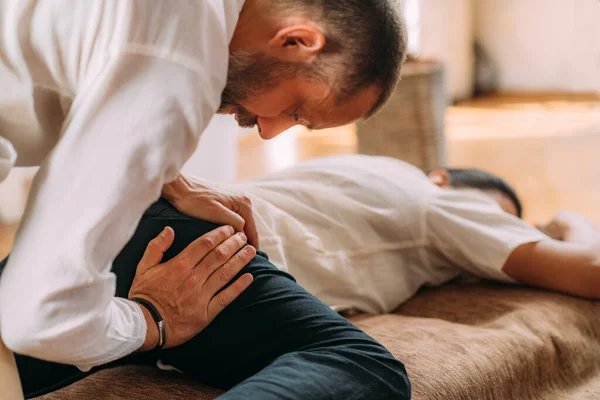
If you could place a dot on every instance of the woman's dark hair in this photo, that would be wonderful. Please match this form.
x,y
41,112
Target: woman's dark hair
x,y
478,179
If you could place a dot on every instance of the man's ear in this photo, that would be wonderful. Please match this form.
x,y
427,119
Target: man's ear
x,y
296,43
440,177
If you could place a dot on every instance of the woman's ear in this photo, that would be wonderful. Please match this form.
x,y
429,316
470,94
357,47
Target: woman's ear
x,y
440,177
296,43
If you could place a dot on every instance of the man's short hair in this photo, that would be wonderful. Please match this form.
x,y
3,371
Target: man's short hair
x,y
366,42
478,179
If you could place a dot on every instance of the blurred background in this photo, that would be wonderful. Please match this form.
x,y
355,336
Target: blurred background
x,y
510,86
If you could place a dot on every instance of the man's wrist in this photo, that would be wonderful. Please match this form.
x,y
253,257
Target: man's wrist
x,y
174,191
152,335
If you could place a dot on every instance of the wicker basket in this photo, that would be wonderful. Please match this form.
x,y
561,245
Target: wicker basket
x,y
411,125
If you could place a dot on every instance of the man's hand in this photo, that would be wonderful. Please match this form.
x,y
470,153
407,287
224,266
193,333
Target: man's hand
x,y
198,199
185,289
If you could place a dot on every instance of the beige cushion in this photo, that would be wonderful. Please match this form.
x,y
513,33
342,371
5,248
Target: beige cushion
x,y
134,383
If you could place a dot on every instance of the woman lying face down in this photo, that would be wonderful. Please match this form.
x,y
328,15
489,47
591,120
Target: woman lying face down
x,y
367,232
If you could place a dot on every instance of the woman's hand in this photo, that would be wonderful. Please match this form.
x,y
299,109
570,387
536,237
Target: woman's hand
x,y
185,289
199,199
570,226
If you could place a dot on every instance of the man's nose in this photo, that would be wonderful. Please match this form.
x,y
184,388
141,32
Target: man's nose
x,y
272,127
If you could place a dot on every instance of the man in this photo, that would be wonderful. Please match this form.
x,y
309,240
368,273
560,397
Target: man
x,y
110,97
366,233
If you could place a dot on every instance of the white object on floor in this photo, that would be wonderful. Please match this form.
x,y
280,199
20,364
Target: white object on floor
x,y
446,35
541,45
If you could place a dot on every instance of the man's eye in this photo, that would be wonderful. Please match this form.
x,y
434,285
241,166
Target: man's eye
x,y
296,116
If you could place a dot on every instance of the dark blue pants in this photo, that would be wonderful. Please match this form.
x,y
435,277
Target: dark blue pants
x,y
275,341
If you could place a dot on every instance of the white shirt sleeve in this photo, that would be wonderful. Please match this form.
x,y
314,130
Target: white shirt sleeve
x,y
473,233
130,129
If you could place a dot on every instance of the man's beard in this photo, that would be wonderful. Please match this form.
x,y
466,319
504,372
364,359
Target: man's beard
x,y
250,75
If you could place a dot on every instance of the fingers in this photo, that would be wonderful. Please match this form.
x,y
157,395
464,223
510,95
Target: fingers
x,y
156,249
242,221
226,216
542,228
220,258
552,230
223,275
203,246
223,299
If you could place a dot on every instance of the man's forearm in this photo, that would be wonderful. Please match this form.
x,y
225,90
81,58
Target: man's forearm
x,y
175,191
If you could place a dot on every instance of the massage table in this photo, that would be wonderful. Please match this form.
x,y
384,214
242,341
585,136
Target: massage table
x,y
458,342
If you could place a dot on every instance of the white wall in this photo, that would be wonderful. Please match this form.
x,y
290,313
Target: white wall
x,y
447,35
537,45
412,15
542,45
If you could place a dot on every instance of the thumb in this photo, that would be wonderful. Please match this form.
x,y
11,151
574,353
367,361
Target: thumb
x,y
224,216
250,226
156,250
542,226
552,230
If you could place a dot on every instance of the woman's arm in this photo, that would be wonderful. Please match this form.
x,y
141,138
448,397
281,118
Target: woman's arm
x,y
570,265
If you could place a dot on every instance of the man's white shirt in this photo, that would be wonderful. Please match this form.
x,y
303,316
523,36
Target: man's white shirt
x,y
109,97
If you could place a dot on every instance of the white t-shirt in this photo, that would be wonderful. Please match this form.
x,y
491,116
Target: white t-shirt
x,y
367,232
110,97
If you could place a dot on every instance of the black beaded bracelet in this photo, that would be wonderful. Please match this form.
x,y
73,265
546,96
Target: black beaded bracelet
x,y
162,334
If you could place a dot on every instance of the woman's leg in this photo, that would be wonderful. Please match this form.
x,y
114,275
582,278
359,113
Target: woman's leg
x,y
274,341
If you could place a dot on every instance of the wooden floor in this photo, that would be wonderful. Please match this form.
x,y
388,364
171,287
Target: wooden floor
x,y
547,146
